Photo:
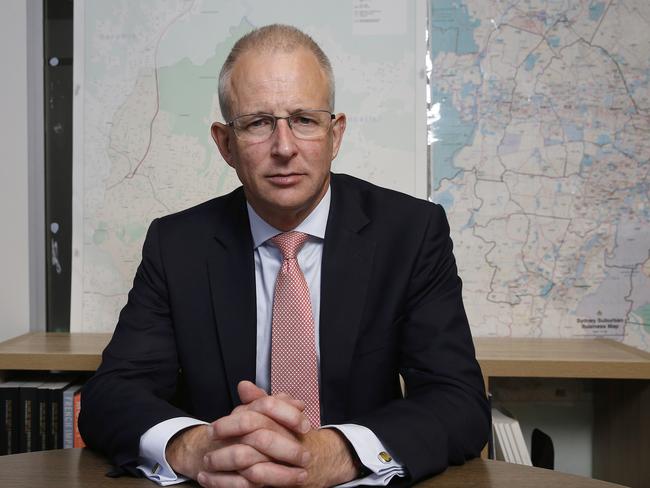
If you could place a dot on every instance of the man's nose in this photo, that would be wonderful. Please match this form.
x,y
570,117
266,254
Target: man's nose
x,y
284,142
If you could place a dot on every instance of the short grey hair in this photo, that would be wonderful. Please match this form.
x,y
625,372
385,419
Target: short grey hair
x,y
270,38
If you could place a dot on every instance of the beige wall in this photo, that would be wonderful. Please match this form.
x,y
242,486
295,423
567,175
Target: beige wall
x,y
14,172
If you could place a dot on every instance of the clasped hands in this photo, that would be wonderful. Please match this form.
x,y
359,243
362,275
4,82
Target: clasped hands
x,y
266,441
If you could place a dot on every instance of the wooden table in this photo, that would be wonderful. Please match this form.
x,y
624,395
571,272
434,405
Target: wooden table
x,y
81,468
484,473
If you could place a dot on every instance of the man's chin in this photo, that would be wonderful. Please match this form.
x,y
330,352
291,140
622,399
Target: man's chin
x,y
291,198
290,211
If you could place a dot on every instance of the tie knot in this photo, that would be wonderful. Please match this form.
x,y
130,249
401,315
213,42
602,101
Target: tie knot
x,y
289,243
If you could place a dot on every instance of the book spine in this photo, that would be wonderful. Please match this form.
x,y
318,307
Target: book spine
x,y
68,419
4,401
28,418
3,424
55,440
78,441
43,419
13,418
8,420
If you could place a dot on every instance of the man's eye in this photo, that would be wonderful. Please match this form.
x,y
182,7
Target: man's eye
x,y
303,120
259,123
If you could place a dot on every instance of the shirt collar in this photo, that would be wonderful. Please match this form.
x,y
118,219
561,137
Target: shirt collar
x,y
314,224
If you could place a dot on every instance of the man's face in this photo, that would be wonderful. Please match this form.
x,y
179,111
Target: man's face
x,y
284,177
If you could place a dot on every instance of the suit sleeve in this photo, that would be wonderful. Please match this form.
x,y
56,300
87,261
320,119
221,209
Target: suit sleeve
x,y
444,418
132,389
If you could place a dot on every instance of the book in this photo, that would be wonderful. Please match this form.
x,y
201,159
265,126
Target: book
x,y
9,417
68,415
28,415
78,440
509,444
53,391
42,406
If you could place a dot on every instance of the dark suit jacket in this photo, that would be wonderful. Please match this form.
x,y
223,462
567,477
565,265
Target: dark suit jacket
x,y
390,303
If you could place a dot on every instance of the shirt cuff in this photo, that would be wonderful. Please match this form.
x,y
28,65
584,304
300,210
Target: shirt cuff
x,y
152,450
372,454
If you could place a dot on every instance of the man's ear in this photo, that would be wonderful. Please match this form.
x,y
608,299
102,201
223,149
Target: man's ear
x,y
338,128
222,136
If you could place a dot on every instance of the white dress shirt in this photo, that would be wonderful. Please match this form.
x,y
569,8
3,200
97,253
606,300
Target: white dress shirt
x,y
268,260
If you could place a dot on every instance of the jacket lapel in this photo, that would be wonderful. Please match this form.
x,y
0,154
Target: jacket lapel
x,y
231,269
346,267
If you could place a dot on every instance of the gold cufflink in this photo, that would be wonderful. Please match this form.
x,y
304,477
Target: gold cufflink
x,y
384,457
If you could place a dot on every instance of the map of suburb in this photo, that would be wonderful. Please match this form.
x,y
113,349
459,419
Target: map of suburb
x,y
146,95
539,120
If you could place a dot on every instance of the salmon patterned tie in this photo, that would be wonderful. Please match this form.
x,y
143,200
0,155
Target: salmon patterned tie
x,y
294,368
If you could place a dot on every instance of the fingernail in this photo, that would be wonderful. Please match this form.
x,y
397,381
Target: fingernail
x,y
201,478
305,426
206,460
210,431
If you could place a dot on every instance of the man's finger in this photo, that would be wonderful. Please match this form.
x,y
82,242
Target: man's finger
x,y
282,412
249,391
225,480
245,422
233,458
299,404
272,474
278,447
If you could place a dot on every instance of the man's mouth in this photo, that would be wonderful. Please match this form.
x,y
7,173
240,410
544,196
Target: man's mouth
x,y
285,179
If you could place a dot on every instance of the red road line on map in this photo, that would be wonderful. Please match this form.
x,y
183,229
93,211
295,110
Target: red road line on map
x,y
153,119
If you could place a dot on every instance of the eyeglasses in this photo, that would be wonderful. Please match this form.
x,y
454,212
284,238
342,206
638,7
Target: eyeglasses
x,y
307,125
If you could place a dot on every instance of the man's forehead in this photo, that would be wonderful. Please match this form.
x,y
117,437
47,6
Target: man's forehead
x,y
290,80
263,60
277,99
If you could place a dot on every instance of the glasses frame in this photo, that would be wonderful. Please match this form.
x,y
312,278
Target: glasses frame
x,y
275,119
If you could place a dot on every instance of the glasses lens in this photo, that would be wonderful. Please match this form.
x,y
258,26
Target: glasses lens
x,y
310,124
254,127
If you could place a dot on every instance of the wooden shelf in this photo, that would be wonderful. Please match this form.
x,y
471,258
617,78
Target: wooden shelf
x,y
498,356
560,358
53,351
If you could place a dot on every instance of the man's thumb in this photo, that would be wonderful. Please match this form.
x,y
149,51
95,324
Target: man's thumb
x,y
249,392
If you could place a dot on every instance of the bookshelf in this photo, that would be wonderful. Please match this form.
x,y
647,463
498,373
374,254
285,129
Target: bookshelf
x,y
621,375
41,376
621,393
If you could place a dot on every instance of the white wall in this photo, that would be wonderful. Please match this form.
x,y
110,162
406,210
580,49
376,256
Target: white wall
x,y
16,171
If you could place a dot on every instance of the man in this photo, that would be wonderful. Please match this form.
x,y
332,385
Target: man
x,y
293,302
